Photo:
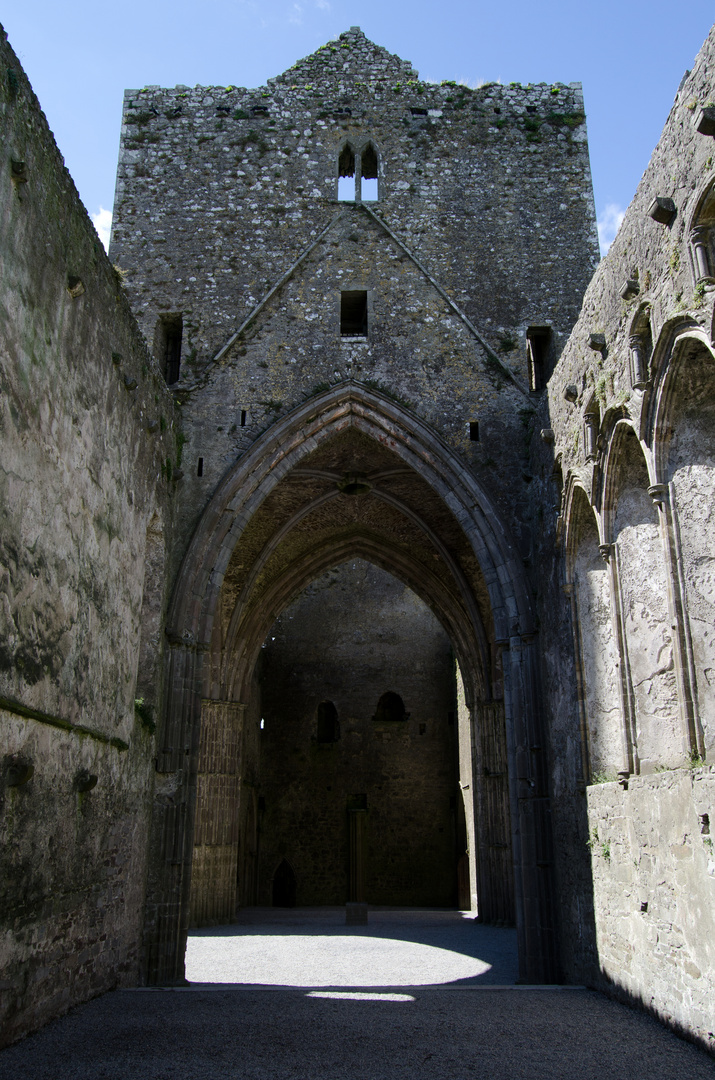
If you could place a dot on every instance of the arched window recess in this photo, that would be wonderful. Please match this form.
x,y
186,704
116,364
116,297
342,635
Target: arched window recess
x,y
390,707
328,723
702,238
358,173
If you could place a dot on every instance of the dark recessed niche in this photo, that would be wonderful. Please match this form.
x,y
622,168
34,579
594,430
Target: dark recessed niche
x,y
538,345
390,707
167,346
328,723
474,430
353,313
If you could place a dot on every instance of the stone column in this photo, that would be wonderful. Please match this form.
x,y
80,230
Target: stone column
x,y
682,646
495,888
356,881
584,772
356,906
531,814
590,435
639,367
609,554
215,853
171,838
699,239
358,176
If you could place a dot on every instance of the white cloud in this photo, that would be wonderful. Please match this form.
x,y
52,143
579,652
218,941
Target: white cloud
x,y
102,222
609,223
296,15
322,5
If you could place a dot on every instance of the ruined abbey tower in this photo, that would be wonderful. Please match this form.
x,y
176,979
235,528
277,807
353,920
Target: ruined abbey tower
x,y
358,542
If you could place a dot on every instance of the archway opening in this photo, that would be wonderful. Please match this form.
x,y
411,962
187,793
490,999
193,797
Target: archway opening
x,y
283,516
360,649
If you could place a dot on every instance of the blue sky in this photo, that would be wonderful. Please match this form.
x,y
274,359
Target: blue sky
x,y
630,56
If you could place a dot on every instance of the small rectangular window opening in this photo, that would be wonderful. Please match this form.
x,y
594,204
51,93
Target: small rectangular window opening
x,y
200,467
167,346
538,340
243,417
353,313
474,430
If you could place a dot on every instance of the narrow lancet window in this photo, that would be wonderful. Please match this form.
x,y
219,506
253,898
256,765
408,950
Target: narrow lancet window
x,y
346,174
167,346
328,723
368,172
538,340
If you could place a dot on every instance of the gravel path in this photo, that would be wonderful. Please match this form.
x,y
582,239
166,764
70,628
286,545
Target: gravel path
x,y
457,1031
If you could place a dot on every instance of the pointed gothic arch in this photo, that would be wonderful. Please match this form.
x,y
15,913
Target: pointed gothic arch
x,y
414,450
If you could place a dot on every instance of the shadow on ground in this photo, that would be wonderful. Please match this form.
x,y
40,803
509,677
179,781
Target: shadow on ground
x,y
384,1029
279,1034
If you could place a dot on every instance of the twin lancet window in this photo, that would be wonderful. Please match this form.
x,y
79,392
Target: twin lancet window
x,y
357,174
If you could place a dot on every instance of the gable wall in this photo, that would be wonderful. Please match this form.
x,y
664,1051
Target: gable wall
x,y
490,191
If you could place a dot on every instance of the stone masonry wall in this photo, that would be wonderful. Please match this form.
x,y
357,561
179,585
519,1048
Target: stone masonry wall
x,y
351,636
654,891
626,462
86,428
485,202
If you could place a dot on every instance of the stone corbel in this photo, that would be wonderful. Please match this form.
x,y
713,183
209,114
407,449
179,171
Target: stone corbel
x,y
659,494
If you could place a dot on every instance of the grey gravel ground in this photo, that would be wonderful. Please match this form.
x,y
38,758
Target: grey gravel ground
x,y
314,947
456,1031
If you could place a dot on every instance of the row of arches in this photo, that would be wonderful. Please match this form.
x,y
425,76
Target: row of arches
x,y
640,568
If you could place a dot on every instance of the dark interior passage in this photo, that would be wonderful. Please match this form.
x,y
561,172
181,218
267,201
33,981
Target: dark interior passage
x,y
358,699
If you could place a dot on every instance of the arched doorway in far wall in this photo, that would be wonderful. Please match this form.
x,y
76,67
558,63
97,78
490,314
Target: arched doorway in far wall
x,y
350,475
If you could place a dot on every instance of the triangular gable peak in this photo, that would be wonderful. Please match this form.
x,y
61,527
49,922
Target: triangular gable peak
x,y
352,60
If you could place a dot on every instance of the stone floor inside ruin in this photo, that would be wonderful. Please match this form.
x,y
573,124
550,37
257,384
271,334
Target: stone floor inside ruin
x,y
297,995
313,948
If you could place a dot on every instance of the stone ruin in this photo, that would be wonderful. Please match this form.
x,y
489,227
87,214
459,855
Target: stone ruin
x,y
357,541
